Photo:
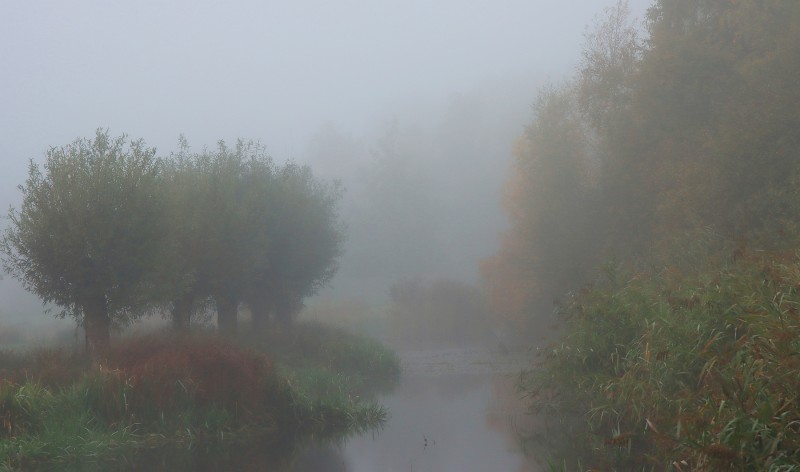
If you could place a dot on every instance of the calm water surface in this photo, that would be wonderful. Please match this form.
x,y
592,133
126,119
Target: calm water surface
x,y
454,410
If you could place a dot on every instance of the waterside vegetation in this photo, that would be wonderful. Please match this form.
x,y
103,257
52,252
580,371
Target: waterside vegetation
x,y
674,153
166,391
681,368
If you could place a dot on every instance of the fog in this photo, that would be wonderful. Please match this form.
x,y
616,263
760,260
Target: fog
x,y
323,83
458,235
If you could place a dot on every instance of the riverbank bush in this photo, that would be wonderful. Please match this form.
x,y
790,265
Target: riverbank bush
x,y
158,390
307,344
437,313
679,368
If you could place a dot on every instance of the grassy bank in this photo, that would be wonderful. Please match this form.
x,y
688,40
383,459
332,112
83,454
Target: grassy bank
x,y
154,391
694,366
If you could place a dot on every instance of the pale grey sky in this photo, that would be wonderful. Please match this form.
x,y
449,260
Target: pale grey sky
x,y
267,70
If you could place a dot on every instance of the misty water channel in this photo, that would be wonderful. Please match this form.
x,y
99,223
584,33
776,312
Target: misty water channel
x,y
453,410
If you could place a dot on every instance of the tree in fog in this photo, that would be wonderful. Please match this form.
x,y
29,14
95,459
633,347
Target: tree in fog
x,y
693,127
214,228
549,199
184,185
242,229
87,236
610,60
704,133
396,231
722,76
305,241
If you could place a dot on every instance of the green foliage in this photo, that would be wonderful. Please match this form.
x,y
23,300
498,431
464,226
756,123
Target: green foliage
x,y
693,125
214,226
40,424
108,231
87,223
87,235
310,344
244,229
696,369
328,400
687,358
305,239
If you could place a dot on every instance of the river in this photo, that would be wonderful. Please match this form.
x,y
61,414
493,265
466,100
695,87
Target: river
x,y
454,410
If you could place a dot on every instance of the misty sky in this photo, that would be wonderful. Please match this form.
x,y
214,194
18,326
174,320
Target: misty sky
x,y
265,70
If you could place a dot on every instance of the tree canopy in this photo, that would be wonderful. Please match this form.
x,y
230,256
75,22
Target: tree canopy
x,y
689,123
244,229
87,236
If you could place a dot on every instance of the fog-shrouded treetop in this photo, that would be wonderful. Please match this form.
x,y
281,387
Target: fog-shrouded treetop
x,y
108,232
242,229
688,126
86,237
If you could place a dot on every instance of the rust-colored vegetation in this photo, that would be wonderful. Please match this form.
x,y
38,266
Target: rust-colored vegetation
x,y
57,406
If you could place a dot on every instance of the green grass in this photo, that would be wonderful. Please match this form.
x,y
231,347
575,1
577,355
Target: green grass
x,y
152,391
59,427
329,401
678,368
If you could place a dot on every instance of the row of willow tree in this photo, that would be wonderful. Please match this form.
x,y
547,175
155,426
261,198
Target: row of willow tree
x,y
109,232
691,121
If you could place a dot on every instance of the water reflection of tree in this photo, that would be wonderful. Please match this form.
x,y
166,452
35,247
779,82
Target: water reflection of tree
x,y
320,459
508,414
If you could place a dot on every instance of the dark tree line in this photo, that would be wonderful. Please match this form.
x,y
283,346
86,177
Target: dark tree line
x,y
689,123
109,232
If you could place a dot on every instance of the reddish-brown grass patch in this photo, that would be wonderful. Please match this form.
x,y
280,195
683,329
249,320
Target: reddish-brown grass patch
x,y
164,373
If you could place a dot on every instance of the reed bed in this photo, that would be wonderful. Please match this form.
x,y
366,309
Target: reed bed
x,y
691,368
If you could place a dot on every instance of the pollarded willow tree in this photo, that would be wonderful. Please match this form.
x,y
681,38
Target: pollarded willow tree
x,y
87,237
241,229
214,228
297,213
108,232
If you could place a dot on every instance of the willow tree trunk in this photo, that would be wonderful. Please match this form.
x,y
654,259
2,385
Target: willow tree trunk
x,y
182,313
98,327
227,312
285,310
260,308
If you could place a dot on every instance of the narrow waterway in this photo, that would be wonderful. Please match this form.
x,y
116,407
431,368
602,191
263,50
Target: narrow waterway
x,y
454,410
